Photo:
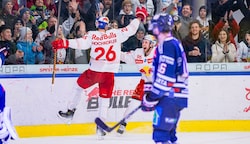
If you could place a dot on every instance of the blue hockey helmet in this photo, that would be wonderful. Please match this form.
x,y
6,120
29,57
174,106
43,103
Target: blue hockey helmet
x,y
102,22
164,22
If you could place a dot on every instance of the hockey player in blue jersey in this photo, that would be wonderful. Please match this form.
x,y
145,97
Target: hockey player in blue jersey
x,y
168,92
7,131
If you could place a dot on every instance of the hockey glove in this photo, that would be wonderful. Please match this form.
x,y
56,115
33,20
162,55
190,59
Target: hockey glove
x,y
60,44
141,13
147,103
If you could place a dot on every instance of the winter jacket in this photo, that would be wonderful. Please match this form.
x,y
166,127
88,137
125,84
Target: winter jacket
x,y
219,57
30,56
243,54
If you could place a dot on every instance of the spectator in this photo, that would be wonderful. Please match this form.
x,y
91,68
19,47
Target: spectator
x,y
52,22
185,20
64,10
32,52
45,38
195,45
29,21
168,6
29,3
13,56
92,15
71,18
135,41
148,4
6,40
15,59
243,52
220,7
245,21
223,50
204,21
229,23
113,24
7,12
111,10
40,13
176,28
51,7
60,53
126,14
77,56
16,7
18,23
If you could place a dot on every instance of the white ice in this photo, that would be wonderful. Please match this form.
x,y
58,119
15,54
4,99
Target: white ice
x,y
131,138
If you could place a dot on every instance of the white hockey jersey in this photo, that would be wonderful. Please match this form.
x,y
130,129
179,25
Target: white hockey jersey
x,y
143,63
105,47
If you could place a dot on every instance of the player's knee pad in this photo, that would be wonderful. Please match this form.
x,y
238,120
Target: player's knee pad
x,y
161,136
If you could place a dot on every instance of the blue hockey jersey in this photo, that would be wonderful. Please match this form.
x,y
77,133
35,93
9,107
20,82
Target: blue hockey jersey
x,y
170,74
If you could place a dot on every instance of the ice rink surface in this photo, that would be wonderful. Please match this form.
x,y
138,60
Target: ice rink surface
x,y
131,138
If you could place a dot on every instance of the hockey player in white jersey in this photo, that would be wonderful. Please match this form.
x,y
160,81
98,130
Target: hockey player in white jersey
x,y
143,58
104,62
168,92
7,130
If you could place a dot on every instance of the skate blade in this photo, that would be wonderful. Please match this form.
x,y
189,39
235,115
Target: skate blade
x,y
100,137
64,119
119,134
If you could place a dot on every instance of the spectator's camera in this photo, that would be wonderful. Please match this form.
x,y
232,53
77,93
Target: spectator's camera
x,y
176,19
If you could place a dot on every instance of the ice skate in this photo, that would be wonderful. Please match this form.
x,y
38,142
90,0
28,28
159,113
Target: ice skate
x,y
68,116
100,133
121,128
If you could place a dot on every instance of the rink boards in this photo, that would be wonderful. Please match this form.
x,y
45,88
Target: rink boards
x,y
219,99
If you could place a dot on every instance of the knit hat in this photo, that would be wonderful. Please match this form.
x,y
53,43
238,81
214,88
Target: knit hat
x,y
5,2
23,10
18,20
23,32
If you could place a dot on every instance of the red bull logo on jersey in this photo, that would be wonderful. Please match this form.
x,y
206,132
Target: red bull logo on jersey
x,y
104,36
146,70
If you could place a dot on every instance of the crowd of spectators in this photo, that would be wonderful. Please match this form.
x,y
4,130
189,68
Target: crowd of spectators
x,y
28,27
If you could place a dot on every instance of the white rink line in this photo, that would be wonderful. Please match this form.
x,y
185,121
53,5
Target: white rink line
x,y
129,138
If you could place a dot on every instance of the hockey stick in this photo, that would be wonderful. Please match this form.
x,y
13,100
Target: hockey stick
x,y
55,51
105,127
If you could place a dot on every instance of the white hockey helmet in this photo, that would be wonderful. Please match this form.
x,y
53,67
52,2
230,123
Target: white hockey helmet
x,y
151,38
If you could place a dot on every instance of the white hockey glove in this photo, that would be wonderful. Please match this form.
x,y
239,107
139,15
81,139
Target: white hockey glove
x,y
148,104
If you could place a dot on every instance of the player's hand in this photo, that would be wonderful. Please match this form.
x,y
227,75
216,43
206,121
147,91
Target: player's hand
x,y
60,44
